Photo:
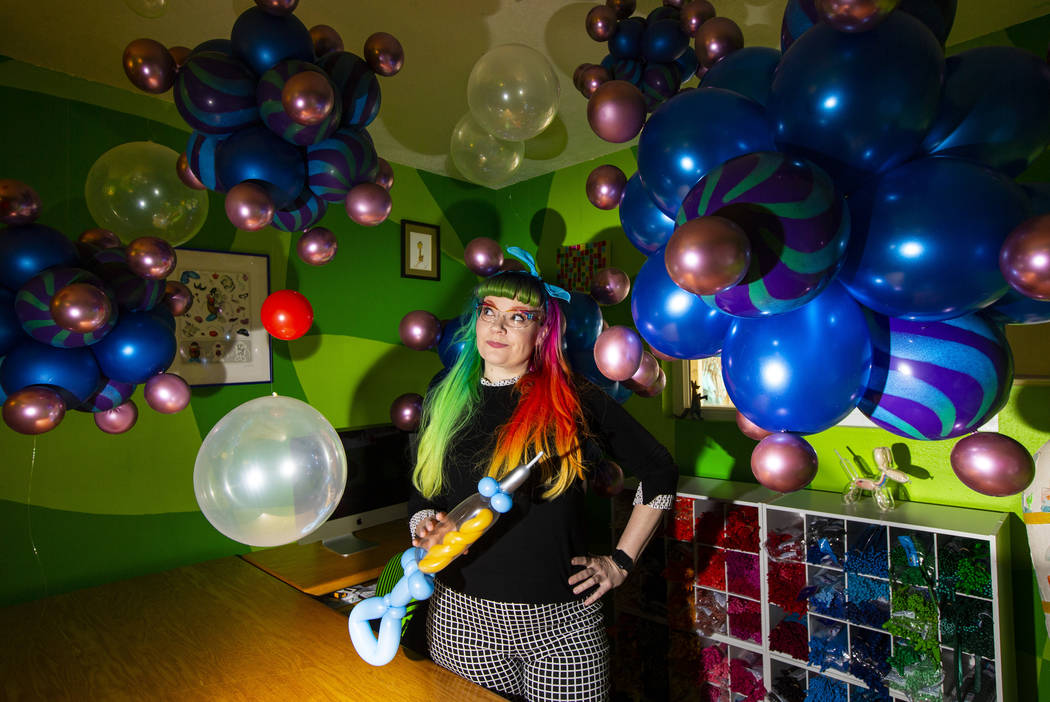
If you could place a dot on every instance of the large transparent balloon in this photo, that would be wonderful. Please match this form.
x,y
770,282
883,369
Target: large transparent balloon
x,y
513,92
481,157
270,472
134,190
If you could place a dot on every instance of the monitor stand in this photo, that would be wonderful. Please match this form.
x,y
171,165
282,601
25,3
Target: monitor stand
x,y
348,544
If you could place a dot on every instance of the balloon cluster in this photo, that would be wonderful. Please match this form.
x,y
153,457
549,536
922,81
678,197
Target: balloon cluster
x,y
512,93
841,223
279,115
81,324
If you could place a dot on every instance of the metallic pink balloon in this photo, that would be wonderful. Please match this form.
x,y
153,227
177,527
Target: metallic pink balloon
x,y
717,38
623,8
854,15
179,54
618,352
607,479
605,186
308,97
249,206
656,388
368,204
578,73
149,65
101,238
326,40
661,356
317,246
512,264
151,257
592,78
784,462
483,256
384,174
167,393
601,23
992,464
186,174
383,54
81,308
19,203
33,410
406,411
616,111
693,14
749,428
648,373
419,330
707,255
278,7
1025,258
119,419
177,297
610,286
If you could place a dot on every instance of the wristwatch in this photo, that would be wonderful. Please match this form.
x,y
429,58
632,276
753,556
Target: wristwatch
x,y
622,560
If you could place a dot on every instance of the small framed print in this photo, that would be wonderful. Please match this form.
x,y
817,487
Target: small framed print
x,y
420,250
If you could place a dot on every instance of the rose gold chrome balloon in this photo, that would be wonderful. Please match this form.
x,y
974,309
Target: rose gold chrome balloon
x,y
992,464
419,330
660,355
623,8
384,174
610,286
167,393
384,54
694,14
278,7
605,186
19,203
33,410
179,54
151,257
707,255
177,297
648,373
616,111
249,206
656,388
149,65
591,78
406,411
601,23
368,204
101,238
483,256
784,462
119,419
607,479
308,97
317,246
81,308
618,352
1025,258
717,38
576,75
325,39
749,428
511,264
186,174
854,15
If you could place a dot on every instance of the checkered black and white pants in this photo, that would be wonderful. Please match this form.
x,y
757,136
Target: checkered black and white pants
x,y
542,653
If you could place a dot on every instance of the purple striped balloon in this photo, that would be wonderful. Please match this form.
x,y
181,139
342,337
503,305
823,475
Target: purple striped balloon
x,y
271,108
32,306
340,162
200,156
305,212
113,393
357,85
130,291
215,93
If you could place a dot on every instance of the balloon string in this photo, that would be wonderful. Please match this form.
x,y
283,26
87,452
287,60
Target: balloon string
x,y
29,517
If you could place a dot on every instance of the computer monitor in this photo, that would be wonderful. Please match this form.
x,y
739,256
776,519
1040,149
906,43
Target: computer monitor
x,y
378,483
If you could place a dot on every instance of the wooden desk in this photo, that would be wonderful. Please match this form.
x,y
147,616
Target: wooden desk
x,y
220,630
317,570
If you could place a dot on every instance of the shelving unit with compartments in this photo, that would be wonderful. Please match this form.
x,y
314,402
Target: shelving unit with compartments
x,y
751,594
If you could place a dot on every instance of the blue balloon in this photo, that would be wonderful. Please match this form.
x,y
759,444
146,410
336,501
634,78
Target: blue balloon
x,y
799,15
449,347
645,224
583,323
748,71
626,41
27,249
255,153
582,362
687,64
73,372
662,13
223,46
926,237
775,378
140,346
674,322
1015,308
693,133
664,40
857,104
995,108
261,39
937,15
10,327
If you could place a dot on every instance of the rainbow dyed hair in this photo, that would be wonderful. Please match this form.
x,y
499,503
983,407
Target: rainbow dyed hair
x,y
547,418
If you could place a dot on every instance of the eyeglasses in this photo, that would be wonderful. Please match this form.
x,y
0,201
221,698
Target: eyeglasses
x,y
514,319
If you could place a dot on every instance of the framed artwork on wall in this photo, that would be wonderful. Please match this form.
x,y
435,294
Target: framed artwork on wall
x,y
220,339
420,250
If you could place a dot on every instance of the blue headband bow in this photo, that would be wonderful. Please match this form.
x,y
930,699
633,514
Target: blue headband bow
x,y
526,258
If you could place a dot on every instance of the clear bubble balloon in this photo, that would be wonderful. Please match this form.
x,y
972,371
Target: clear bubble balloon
x,y
481,157
270,472
513,92
150,9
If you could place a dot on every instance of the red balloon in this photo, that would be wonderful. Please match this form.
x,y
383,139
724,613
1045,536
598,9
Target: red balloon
x,y
1025,258
605,186
618,352
287,314
325,39
601,23
278,7
854,15
177,297
81,308
119,419
592,78
33,410
368,204
693,14
406,411
607,479
784,462
249,206
317,246
308,97
623,8
186,174
167,393
749,428
19,203
717,38
384,174
992,464
616,111
656,388
149,65
707,255
151,257
419,330
383,54
610,286
483,256
647,374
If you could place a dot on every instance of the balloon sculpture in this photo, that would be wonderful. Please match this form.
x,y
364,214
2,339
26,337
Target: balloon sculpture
x,y
473,517
279,115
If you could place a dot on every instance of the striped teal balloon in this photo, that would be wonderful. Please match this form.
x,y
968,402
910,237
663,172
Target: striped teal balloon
x,y
271,107
340,162
306,211
200,155
215,93
357,85
33,308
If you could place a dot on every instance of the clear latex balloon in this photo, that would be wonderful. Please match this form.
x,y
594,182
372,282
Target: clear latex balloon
x,y
481,157
513,92
150,9
270,472
134,190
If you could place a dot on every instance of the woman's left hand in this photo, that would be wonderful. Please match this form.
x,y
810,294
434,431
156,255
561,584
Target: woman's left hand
x,y
599,575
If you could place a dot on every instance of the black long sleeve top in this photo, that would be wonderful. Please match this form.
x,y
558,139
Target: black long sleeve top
x,y
526,555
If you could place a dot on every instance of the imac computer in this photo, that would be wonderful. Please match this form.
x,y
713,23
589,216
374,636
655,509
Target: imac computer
x,y
378,483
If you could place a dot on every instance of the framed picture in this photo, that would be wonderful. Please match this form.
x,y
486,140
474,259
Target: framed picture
x,y
707,375
220,339
420,250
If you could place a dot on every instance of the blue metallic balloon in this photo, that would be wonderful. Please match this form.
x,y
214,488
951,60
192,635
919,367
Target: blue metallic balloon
x,y
222,46
27,249
10,327
261,39
449,346
662,13
626,42
645,224
687,64
857,104
799,15
995,108
73,372
748,71
926,237
937,15
775,378
674,322
256,153
141,345
201,150
664,41
583,323
1015,308
693,133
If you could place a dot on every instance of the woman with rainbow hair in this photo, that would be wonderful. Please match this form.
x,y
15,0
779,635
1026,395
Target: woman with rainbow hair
x,y
520,611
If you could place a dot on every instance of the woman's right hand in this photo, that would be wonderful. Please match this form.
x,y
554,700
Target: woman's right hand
x,y
432,530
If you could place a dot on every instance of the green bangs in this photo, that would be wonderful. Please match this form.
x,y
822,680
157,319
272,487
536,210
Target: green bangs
x,y
514,286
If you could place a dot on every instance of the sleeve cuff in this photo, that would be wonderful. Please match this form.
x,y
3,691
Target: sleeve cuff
x,y
658,502
417,519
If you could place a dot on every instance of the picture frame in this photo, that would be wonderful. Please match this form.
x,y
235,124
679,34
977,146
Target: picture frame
x,y
420,250
708,379
220,339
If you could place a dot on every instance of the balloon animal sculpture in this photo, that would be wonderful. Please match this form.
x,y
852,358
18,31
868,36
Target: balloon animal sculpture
x,y
473,517
880,488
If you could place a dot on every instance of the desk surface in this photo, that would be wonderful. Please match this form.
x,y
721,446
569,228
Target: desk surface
x,y
219,630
